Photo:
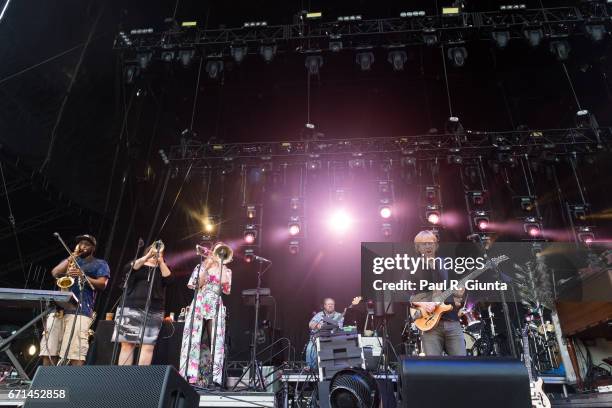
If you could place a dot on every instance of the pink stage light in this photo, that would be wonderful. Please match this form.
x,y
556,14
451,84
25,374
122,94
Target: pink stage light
x,y
534,231
294,229
385,212
340,221
433,218
483,224
249,237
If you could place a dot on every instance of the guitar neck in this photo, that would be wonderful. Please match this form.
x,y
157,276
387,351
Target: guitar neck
x,y
526,355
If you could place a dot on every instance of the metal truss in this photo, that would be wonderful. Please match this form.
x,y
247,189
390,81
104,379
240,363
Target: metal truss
x,y
316,35
468,145
36,221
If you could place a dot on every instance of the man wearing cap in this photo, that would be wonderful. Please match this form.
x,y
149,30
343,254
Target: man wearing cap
x,y
66,332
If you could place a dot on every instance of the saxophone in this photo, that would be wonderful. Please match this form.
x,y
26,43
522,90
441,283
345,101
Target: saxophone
x,y
65,282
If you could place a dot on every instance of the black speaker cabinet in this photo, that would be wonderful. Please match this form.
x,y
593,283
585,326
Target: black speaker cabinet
x,y
464,382
111,387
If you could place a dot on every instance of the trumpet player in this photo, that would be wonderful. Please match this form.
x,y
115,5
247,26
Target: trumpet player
x,y
128,331
66,334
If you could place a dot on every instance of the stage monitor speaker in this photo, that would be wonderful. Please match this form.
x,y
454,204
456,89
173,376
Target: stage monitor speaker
x,y
112,387
464,382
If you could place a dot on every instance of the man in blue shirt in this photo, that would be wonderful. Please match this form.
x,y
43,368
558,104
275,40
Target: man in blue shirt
x,y
66,332
316,323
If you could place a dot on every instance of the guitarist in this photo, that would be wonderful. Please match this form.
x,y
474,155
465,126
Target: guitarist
x,y
316,323
448,334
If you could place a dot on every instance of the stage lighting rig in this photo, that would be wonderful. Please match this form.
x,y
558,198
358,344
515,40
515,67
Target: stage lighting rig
x,y
185,56
356,17
477,198
144,58
430,37
501,37
294,204
585,235
432,214
409,14
597,32
386,230
313,63
335,43
512,7
249,255
585,119
365,59
532,227
481,220
560,49
267,52
294,226
250,234
527,204
251,24
533,36
294,247
238,52
214,67
457,56
397,59
251,211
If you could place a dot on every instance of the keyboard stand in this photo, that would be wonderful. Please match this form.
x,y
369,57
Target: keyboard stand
x,y
5,342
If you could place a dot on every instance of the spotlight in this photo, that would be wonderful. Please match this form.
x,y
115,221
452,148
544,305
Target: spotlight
x,y
214,68
481,220
430,193
534,36
385,211
268,52
314,165
560,49
585,119
350,18
294,247
185,56
397,59
454,126
408,14
238,52
511,7
250,234
579,213
477,198
294,226
430,38
144,58
457,56
295,204
313,64
250,24
365,60
432,214
340,221
313,15
167,56
32,350
586,235
386,230
249,255
501,38
210,224
251,212
596,31
335,46
527,204
532,227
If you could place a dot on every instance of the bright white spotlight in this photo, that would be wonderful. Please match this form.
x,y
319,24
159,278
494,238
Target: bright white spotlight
x,y
385,211
433,218
340,221
32,350
294,229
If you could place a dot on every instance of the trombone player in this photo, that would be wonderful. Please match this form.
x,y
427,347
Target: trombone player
x,y
66,334
209,279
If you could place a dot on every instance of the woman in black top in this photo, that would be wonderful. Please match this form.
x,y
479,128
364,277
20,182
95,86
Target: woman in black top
x,y
135,303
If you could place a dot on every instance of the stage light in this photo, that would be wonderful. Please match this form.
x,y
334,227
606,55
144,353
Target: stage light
x,y
560,49
450,11
313,64
532,227
249,255
340,221
585,119
596,31
534,36
385,211
512,7
408,14
314,165
350,18
312,15
294,247
457,56
167,56
268,52
185,56
250,234
32,350
238,52
397,59
501,38
364,60
294,226
251,211
188,24
294,204
430,38
386,230
250,24
432,214
214,68
481,220
477,198
141,31
586,235
335,46
210,224
144,58
430,193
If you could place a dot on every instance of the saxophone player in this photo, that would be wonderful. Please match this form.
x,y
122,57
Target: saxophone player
x,y
66,332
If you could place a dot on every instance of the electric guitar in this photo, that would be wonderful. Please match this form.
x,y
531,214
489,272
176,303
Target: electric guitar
x,y
538,396
428,321
356,300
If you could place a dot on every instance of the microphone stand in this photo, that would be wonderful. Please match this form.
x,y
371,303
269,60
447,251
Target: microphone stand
x,y
152,275
119,320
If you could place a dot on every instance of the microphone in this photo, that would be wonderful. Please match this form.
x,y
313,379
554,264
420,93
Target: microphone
x,y
56,234
261,258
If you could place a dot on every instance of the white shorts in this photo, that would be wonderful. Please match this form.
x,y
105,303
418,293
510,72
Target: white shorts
x,y
56,337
